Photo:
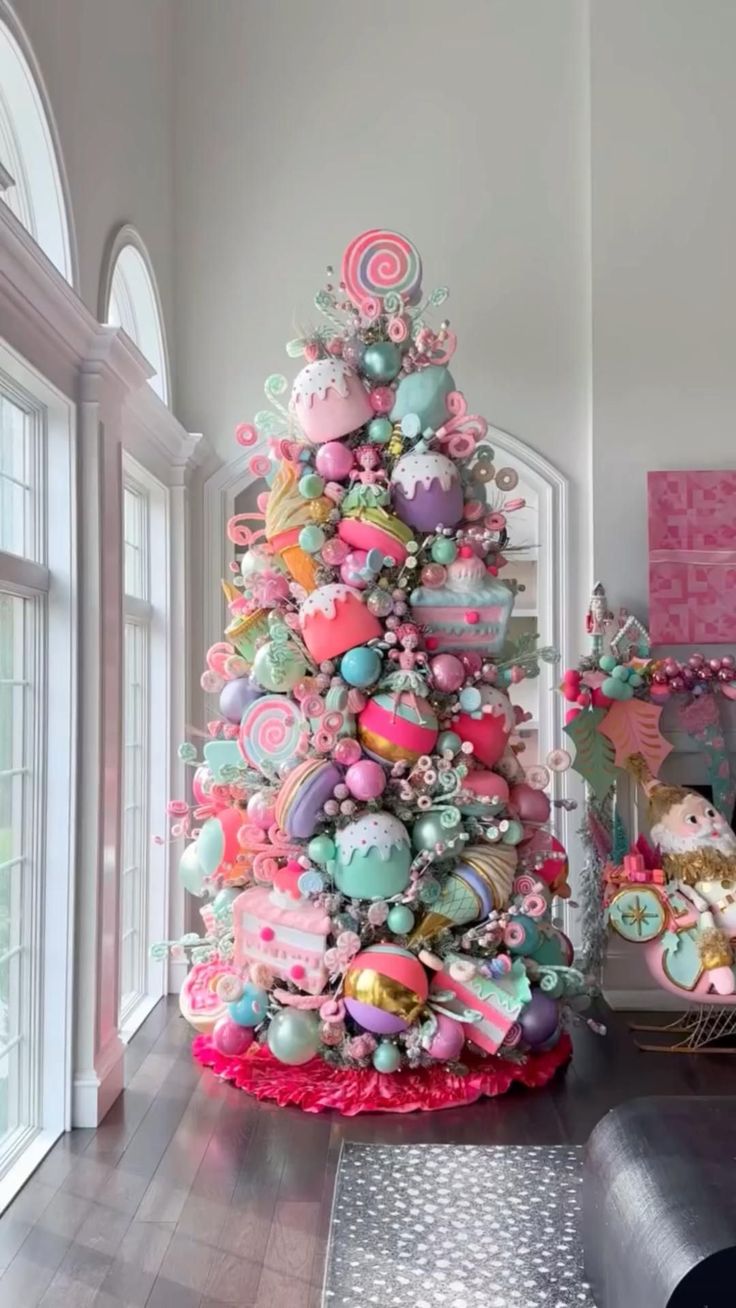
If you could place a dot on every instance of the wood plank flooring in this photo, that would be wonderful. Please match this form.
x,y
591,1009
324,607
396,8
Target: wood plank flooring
x,y
191,1195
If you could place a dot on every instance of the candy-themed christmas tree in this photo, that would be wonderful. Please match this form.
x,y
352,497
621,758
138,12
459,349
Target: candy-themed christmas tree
x,y
376,864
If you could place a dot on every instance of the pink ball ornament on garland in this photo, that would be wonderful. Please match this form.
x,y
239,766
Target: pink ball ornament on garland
x,y
334,461
448,673
231,1039
446,1044
365,780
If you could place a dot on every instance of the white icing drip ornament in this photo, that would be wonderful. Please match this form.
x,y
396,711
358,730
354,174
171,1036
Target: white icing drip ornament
x,y
380,831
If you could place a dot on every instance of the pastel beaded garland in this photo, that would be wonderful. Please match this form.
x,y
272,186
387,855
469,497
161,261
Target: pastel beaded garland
x,y
386,988
372,857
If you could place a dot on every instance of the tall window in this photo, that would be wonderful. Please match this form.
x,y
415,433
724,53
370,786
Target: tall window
x,y
36,761
31,181
131,301
143,890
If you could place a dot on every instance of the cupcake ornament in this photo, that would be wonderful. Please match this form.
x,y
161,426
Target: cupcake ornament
x,y
329,400
426,490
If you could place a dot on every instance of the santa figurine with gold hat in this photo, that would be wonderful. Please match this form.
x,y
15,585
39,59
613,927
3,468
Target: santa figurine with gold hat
x,y
698,851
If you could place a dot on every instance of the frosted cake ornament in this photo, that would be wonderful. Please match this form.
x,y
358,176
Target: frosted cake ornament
x,y
363,812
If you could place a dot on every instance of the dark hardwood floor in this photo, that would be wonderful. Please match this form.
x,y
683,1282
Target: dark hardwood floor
x,y
191,1195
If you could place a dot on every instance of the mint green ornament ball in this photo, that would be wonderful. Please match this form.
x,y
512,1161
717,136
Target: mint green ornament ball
x,y
381,362
311,538
191,872
635,680
514,833
444,550
379,431
293,1036
400,919
448,740
620,673
224,900
311,486
616,689
386,1057
607,663
321,849
278,667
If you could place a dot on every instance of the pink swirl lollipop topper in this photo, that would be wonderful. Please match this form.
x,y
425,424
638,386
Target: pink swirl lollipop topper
x,y
380,262
269,734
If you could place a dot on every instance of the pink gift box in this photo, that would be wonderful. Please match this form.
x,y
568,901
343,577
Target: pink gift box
x,y
692,557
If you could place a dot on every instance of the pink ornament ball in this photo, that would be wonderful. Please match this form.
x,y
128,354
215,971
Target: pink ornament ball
x,y
448,672
230,1039
353,572
531,805
347,752
447,1041
487,785
365,780
260,810
334,461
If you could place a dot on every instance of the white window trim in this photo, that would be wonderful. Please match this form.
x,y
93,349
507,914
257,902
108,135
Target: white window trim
x,y
66,258
155,614
55,794
123,237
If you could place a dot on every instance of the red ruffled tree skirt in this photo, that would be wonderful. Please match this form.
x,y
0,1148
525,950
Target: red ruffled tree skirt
x,y
316,1086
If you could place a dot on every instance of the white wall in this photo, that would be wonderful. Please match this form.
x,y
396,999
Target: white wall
x,y
663,103
108,70
299,125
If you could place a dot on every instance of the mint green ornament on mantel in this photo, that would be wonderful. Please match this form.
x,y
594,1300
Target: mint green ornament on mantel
x,y
386,1057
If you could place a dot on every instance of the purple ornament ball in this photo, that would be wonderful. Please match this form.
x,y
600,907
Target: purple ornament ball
x,y
447,1041
374,1019
231,1039
235,697
539,1019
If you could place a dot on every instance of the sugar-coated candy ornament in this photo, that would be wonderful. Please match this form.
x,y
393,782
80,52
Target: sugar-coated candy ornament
x,y
400,919
445,1045
365,780
235,697
230,1039
278,666
293,1036
251,1008
334,461
385,989
381,361
380,603
448,673
335,551
386,1057
361,666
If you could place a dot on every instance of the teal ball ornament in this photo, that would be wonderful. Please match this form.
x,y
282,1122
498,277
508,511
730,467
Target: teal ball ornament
x,y
293,1036
373,857
616,689
251,1008
321,849
522,935
381,362
361,666
620,672
513,834
449,740
441,827
443,550
191,872
311,486
379,431
607,662
400,919
311,538
278,666
386,1057
425,393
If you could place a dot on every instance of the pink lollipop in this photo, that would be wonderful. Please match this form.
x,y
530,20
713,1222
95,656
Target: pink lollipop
x,y
269,734
380,262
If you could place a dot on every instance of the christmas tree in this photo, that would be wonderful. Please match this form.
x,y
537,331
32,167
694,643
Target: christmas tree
x,y
375,862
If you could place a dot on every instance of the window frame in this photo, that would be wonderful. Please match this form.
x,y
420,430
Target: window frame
x,y
53,593
123,239
152,613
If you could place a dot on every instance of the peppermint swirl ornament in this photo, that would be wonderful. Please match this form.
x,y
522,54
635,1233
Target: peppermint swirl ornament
x,y
381,263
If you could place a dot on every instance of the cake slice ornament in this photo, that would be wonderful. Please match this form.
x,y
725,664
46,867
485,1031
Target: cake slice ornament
x,y
373,862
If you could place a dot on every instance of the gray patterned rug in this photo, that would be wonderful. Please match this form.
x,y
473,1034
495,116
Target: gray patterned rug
x,y
456,1226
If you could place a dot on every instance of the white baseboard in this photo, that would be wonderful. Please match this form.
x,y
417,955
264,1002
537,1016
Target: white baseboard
x,y
95,1091
639,1001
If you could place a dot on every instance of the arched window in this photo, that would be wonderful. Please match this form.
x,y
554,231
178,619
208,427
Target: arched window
x,y
32,181
130,300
